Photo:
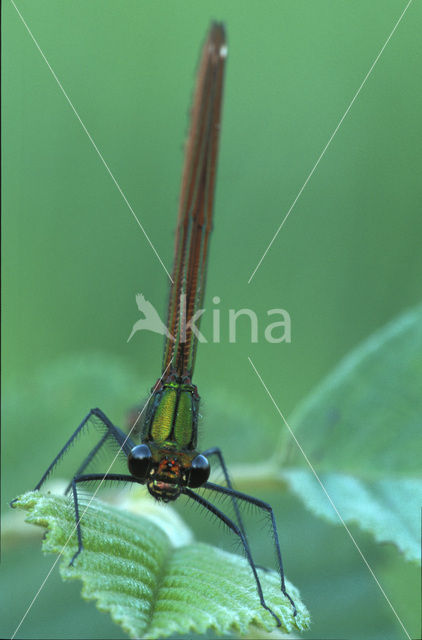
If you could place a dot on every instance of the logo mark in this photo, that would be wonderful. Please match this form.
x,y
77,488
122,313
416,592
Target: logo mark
x,y
151,320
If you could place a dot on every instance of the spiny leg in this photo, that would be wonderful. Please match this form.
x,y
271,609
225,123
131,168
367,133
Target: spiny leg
x,y
216,451
91,477
89,458
231,525
111,431
269,511
112,434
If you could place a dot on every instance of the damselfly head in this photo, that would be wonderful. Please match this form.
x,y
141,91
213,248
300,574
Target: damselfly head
x,y
166,479
166,472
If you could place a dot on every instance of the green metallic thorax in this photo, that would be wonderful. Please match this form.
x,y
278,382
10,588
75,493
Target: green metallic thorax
x,y
171,418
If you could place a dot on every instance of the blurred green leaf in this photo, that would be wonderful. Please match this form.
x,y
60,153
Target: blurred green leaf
x,y
388,508
152,586
360,430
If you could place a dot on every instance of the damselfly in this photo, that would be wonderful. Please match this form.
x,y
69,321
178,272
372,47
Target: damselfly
x,y
168,461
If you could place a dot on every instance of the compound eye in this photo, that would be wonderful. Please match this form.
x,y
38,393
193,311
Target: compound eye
x,y
199,471
139,461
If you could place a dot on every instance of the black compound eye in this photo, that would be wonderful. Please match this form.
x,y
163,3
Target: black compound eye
x,y
139,461
199,471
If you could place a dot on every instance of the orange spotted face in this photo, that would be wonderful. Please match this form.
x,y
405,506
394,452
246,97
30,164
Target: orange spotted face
x,y
167,478
166,472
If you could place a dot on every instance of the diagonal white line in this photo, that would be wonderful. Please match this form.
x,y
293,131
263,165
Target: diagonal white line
x,y
329,498
91,140
86,508
329,141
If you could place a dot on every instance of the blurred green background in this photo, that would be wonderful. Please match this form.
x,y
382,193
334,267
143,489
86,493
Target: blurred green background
x,y
346,262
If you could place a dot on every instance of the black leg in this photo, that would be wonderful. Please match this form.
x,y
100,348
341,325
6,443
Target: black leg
x,y
91,477
78,521
103,423
89,458
231,525
216,451
268,510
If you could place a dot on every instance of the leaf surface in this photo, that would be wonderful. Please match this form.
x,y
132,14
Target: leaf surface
x,y
149,584
361,430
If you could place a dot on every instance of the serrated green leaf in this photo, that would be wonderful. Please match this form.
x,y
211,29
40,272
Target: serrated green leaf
x,y
151,587
360,429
